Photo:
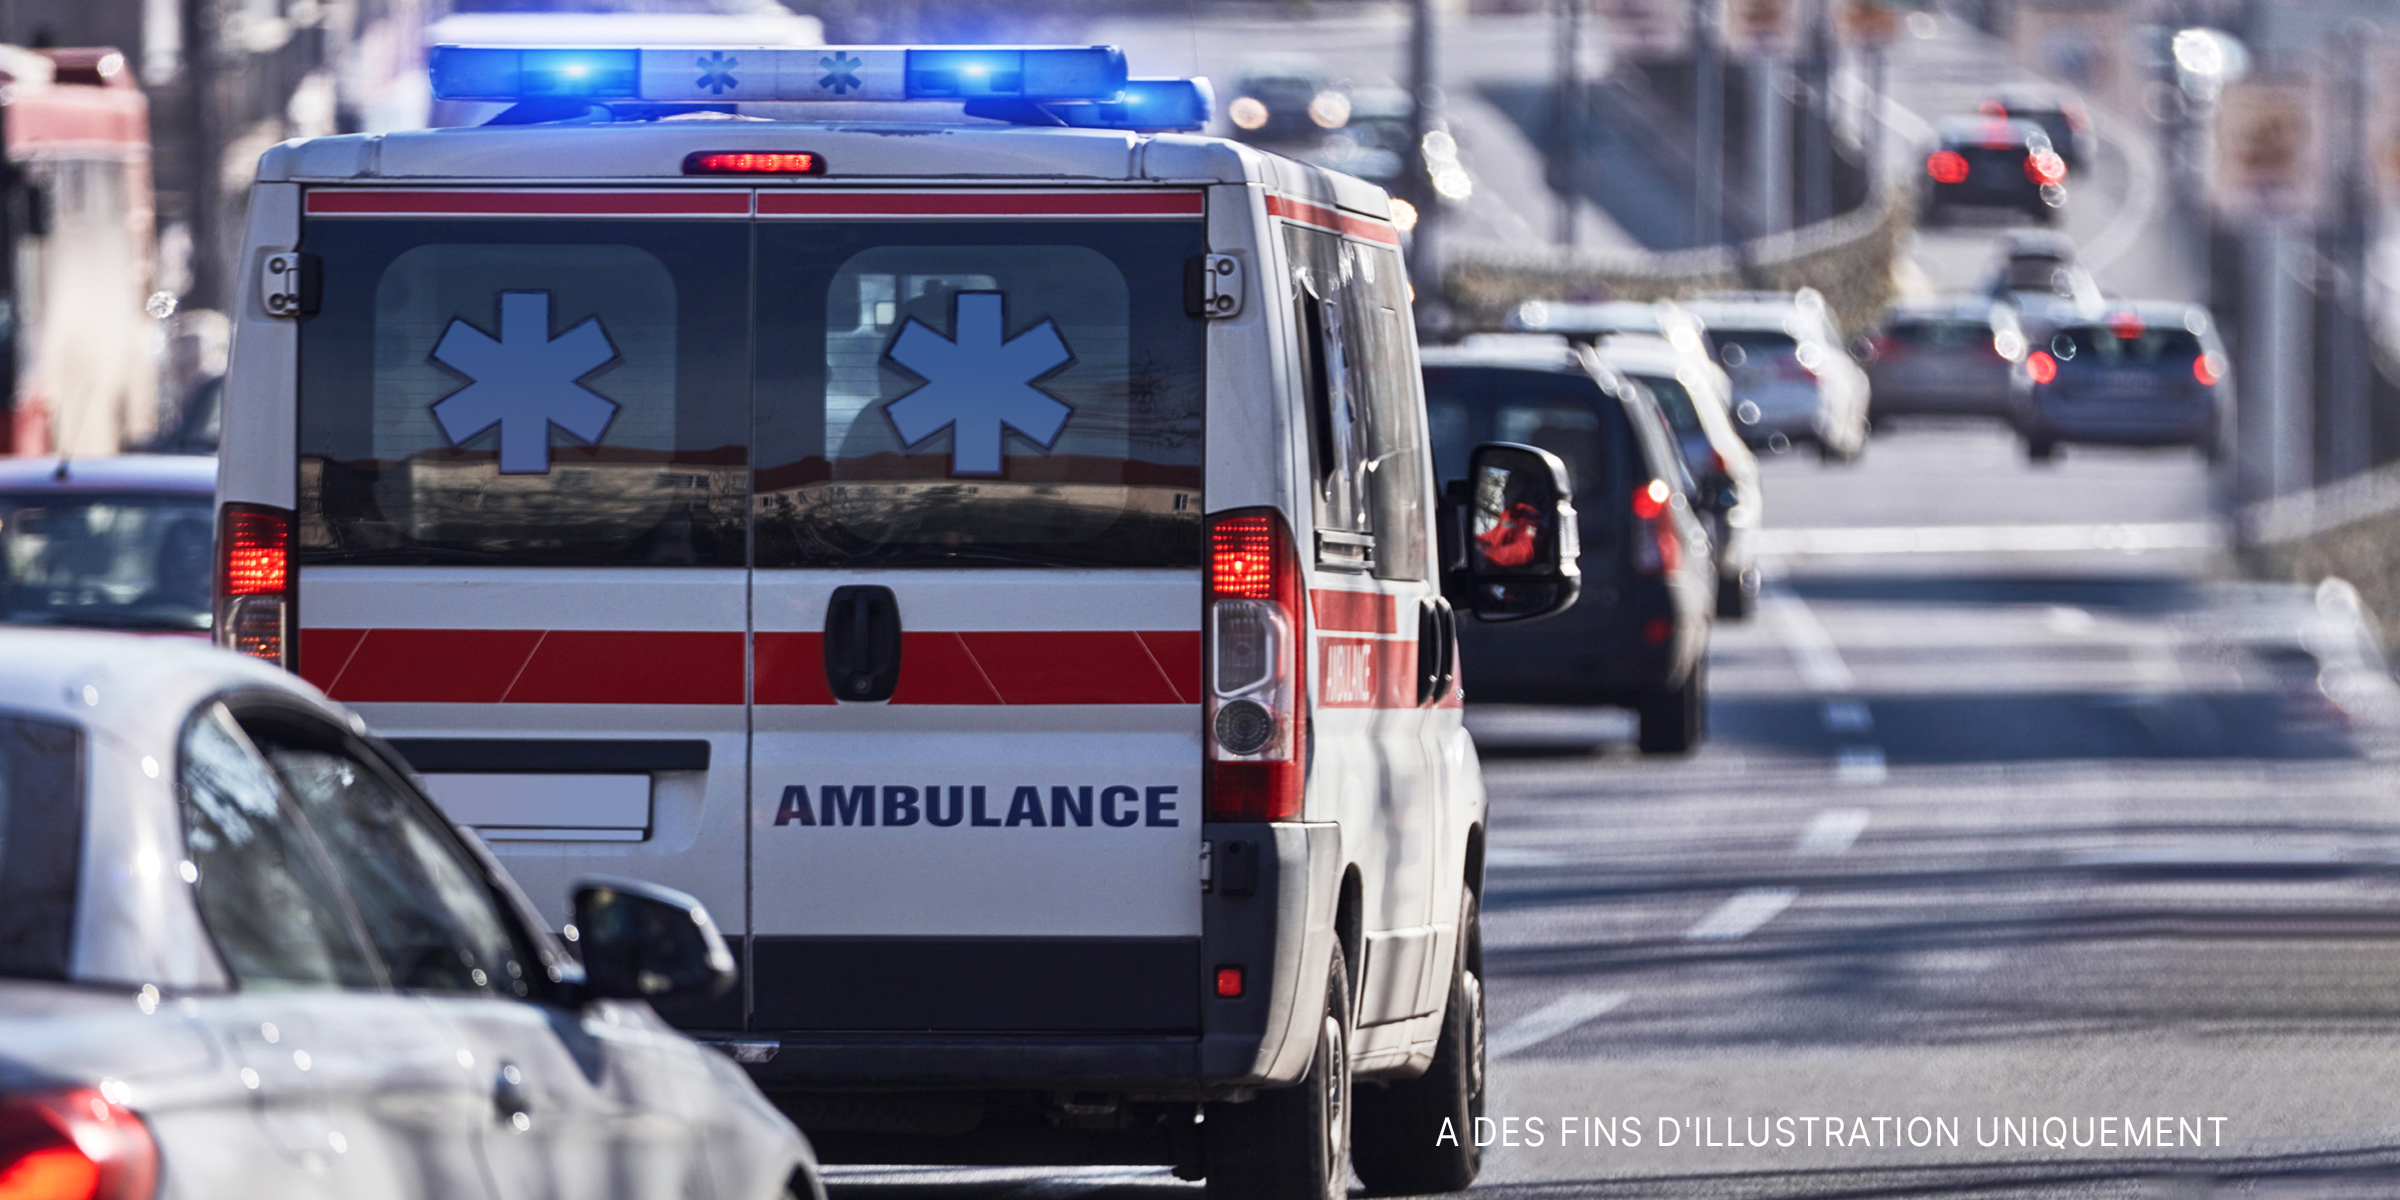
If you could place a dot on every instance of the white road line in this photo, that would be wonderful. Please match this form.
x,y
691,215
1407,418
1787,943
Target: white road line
x,y
1989,539
1745,911
1549,1021
1832,832
1860,765
1821,665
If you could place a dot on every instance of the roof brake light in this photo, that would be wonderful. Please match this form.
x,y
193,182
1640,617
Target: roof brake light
x,y
735,74
744,163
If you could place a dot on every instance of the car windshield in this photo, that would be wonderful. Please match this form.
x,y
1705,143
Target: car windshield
x,y
41,840
113,561
1674,400
2079,346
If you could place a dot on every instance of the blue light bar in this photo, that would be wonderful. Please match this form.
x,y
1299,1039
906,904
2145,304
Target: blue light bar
x,y
1148,106
735,74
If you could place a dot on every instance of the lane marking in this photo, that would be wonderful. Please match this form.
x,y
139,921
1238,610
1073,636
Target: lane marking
x,y
1740,914
1820,663
1549,1021
1847,716
1860,765
1832,832
1992,539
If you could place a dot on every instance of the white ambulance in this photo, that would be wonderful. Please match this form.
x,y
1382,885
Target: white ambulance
x,y
973,533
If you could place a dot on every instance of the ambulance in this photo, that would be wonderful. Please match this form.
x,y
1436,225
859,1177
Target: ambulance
x,y
974,533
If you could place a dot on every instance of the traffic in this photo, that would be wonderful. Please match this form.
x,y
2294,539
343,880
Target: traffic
x,y
907,619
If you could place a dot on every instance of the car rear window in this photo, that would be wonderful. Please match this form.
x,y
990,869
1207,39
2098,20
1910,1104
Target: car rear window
x,y
105,561
978,393
2101,346
1674,401
1754,347
41,844
1947,333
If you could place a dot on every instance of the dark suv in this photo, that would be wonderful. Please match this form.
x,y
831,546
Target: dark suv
x,y
1995,163
1639,636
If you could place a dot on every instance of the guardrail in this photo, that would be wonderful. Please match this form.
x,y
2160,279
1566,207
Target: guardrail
x,y
1848,259
2347,530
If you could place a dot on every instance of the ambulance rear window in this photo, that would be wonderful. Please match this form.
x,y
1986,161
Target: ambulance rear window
x,y
978,393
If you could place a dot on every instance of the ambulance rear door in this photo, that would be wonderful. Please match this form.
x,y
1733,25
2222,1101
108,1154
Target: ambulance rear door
x,y
523,483
977,764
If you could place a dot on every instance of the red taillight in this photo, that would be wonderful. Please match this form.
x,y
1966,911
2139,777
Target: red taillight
x,y
1257,652
1229,983
1651,498
254,583
753,164
2041,366
1947,166
74,1145
2045,167
2205,369
2126,326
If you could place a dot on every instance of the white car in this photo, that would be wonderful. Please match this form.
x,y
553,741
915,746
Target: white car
x,y
241,955
1793,379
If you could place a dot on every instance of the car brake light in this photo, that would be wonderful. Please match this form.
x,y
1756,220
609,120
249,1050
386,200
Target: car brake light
x,y
1656,548
255,600
753,164
2045,167
74,1145
2041,366
2125,326
1947,166
1257,637
2204,369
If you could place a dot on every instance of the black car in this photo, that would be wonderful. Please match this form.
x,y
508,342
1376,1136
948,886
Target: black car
x,y
1639,636
2060,116
1991,162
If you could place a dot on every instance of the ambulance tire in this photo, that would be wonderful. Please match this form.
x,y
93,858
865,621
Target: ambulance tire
x,y
1398,1141
1291,1143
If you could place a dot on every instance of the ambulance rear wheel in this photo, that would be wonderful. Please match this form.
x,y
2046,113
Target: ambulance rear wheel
x,y
1417,1136
1291,1143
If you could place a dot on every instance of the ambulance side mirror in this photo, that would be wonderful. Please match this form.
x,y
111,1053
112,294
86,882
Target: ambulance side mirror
x,y
1509,539
641,941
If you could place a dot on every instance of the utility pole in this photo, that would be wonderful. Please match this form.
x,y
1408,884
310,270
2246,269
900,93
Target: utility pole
x,y
1708,126
1566,124
1771,142
1816,131
2345,443
1424,116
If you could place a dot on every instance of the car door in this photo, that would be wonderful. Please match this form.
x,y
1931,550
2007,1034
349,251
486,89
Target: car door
x,y
357,1090
522,545
1371,595
569,1103
977,599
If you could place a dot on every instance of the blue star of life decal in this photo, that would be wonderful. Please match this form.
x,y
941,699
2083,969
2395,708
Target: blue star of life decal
x,y
841,72
716,73
524,382
975,383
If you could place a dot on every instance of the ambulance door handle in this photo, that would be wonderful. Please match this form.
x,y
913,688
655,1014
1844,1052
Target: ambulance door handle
x,y
862,643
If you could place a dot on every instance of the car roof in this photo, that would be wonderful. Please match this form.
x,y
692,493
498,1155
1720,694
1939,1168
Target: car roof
x,y
136,683
2028,243
178,474
1601,316
1520,351
2151,312
1940,307
1640,353
1745,314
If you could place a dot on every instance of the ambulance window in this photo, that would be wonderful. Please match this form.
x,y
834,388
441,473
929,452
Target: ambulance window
x,y
519,394
1358,365
971,394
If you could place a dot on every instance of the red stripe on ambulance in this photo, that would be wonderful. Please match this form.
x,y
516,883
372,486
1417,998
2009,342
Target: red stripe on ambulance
x,y
1123,203
686,202
1332,219
1354,612
533,666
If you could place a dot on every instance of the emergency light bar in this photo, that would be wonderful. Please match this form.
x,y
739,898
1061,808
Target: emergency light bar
x,y
761,74
1148,104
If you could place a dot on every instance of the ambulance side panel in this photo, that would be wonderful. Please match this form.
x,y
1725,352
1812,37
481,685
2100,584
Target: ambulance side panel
x,y
258,462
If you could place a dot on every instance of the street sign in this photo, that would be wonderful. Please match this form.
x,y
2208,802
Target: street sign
x,y
1761,28
2270,154
1646,29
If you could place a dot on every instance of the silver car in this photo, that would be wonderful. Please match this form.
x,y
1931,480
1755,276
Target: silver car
x,y
1944,357
241,955
1793,381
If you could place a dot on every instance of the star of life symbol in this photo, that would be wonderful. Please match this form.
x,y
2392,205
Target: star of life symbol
x,y
716,73
975,383
841,72
524,382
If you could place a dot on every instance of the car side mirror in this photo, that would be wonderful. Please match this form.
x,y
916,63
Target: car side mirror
x,y
641,941
1510,540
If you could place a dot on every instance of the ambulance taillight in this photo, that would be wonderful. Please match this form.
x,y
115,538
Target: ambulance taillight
x,y
255,604
1257,637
